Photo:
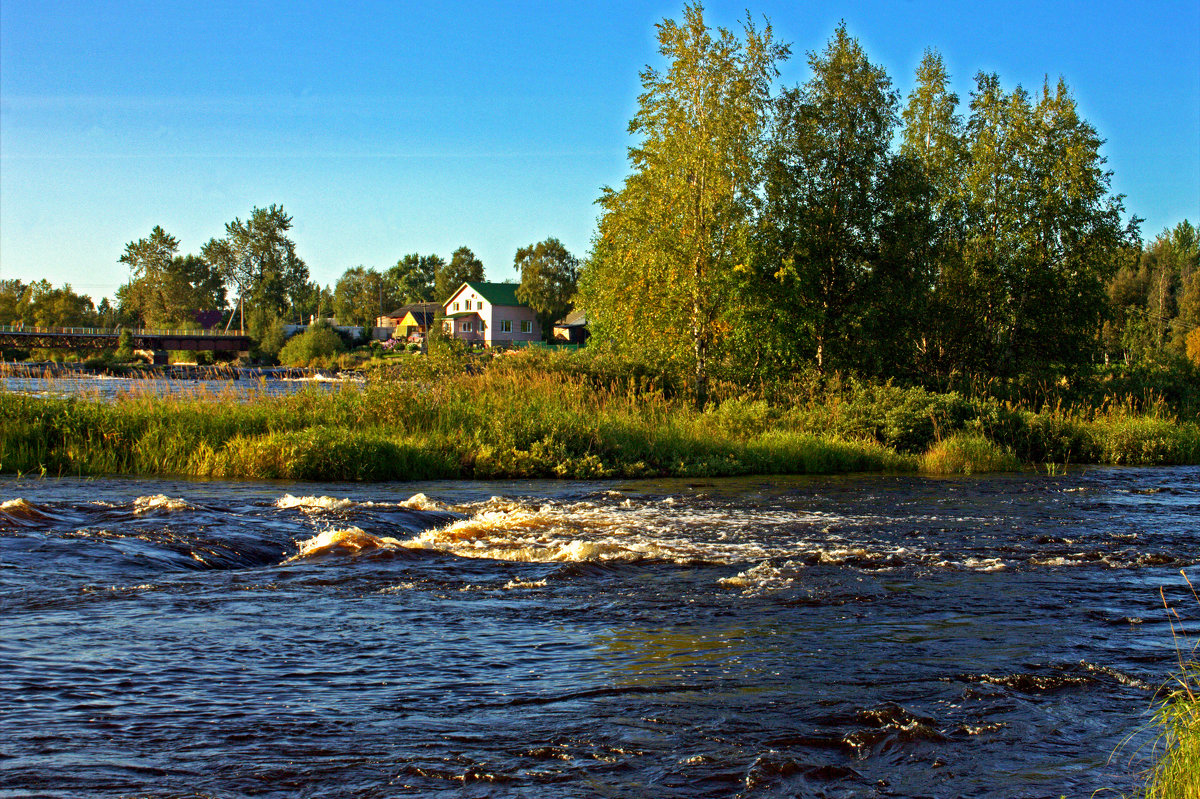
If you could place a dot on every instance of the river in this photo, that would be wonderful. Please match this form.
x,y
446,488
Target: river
x,y
892,636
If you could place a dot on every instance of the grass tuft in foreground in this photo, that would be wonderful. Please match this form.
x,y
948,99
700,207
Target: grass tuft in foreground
x,y
1176,773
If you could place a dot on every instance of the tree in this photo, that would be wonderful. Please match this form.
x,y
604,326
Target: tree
x,y
846,223
464,267
413,278
360,296
1043,234
258,259
934,137
671,237
13,301
548,276
165,289
43,305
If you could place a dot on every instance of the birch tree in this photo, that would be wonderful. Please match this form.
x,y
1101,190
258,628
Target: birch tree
x,y
671,237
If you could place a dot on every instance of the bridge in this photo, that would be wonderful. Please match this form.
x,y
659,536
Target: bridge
x,y
158,342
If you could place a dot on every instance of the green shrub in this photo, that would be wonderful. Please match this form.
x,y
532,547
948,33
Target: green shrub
x,y
319,343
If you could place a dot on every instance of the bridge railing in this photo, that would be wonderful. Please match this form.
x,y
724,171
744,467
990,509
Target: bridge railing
x,y
108,331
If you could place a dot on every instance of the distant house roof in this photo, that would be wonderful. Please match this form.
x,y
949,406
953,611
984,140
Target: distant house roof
x,y
414,308
576,318
495,293
461,315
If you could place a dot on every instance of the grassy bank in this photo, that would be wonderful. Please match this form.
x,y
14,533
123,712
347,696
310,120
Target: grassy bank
x,y
569,416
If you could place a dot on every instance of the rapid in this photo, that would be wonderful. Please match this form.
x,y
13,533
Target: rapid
x,y
998,636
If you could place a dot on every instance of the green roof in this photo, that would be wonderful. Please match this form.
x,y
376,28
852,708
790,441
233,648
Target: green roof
x,y
496,293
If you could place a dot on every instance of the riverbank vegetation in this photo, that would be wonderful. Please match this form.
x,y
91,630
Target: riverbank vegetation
x,y
579,415
1175,772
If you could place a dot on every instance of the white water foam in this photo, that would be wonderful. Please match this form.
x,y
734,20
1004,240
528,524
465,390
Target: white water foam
x,y
160,502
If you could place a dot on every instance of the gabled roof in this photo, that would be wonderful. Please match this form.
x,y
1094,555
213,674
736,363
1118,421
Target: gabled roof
x,y
416,309
576,318
495,293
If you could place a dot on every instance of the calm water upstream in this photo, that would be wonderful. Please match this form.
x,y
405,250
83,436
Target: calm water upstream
x,y
855,636
104,387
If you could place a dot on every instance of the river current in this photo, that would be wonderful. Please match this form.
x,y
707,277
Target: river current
x,y
891,636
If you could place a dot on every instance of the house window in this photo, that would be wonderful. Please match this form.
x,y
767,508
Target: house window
x,y
527,327
456,306
468,305
506,326
466,327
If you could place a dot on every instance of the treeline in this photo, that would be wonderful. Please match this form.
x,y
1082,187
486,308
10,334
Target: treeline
x,y
253,279
831,226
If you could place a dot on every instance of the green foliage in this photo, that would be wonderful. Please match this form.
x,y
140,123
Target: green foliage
x,y
673,235
267,329
845,242
316,346
124,351
464,267
548,276
40,304
360,296
413,279
258,259
166,290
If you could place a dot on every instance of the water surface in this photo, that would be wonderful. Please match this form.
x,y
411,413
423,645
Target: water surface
x,y
850,636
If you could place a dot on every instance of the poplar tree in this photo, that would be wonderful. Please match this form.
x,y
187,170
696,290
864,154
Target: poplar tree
x,y
259,259
671,237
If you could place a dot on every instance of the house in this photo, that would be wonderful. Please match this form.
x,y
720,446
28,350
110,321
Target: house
x,y
571,329
410,322
490,314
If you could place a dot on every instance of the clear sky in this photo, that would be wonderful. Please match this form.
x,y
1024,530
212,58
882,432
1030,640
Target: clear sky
x,y
386,128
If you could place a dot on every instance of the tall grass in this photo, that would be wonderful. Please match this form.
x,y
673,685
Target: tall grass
x,y
573,416
1176,771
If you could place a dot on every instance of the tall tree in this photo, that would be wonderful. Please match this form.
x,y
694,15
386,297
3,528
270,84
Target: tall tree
x,y
258,259
671,237
1043,232
549,274
838,210
165,289
40,304
934,137
413,278
360,296
463,267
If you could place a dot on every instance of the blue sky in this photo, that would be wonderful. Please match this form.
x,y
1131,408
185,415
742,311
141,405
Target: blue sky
x,y
388,128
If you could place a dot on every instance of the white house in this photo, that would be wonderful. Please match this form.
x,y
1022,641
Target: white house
x,y
490,314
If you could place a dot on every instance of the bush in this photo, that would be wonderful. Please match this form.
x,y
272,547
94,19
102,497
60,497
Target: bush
x,y
317,344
